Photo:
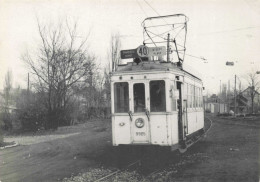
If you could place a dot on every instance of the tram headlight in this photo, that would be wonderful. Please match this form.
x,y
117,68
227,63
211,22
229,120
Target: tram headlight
x,y
139,123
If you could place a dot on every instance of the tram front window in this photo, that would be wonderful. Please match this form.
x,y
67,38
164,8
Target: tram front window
x,y
139,97
121,97
157,95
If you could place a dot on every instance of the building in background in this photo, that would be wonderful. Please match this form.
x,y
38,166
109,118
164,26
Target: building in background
x,y
215,105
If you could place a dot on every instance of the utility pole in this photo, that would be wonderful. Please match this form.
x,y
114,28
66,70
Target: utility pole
x,y
235,94
28,84
168,48
228,94
219,95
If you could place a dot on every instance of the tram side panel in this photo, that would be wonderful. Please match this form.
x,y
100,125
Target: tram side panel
x,y
200,119
195,121
194,115
158,128
121,130
192,122
173,129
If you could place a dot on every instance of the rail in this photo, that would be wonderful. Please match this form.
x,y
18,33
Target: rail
x,y
163,168
117,171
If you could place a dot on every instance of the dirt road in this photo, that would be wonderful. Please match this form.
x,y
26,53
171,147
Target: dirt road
x,y
54,159
230,152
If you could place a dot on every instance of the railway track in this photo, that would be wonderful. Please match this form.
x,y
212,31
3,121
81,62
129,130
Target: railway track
x,y
137,164
165,167
106,178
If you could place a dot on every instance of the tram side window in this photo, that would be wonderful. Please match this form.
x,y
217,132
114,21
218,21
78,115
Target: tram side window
x,y
139,97
157,96
189,96
193,95
196,97
185,94
121,97
200,98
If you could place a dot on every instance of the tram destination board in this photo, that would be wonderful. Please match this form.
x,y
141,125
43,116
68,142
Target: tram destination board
x,y
143,51
127,54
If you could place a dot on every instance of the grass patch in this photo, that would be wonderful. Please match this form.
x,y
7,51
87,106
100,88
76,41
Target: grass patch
x,y
4,144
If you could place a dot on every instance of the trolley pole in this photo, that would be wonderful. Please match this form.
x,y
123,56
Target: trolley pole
x,y
168,48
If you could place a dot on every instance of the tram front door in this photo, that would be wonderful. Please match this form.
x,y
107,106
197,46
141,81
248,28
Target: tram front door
x,y
140,124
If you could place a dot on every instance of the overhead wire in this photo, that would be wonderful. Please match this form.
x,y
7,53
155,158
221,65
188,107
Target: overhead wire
x,y
232,30
184,39
146,17
153,9
202,58
141,8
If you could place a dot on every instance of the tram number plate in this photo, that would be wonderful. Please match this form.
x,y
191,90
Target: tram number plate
x,y
140,133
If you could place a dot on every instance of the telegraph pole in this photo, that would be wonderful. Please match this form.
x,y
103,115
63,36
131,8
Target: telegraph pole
x,y
235,94
219,95
28,84
228,95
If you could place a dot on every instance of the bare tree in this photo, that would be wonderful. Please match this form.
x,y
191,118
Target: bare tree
x,y
114,60
114,50
254,87
7,100
62,61
7,88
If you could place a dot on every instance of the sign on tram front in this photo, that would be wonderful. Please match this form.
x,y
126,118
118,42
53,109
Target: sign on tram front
x,y
157,51
127,54
143,51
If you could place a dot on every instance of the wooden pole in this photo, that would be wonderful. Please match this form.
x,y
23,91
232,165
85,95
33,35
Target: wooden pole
x,y
235,95
28,84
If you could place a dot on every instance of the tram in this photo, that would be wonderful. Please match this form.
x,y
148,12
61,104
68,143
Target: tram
x,y
154,101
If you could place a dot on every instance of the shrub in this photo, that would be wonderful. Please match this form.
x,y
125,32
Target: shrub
x,y
207,111
224,114
32,118
1,129
1,137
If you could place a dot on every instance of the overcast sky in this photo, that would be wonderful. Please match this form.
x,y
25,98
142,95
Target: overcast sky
x,y
219,31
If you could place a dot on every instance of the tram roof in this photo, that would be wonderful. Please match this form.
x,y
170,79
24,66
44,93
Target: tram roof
x,y
151,66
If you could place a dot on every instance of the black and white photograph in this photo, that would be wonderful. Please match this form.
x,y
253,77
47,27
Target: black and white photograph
x,y
129,90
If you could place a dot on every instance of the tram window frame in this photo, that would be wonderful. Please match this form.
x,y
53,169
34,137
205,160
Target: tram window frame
x,y
121,106
161,98
193,95
196,97
200,96
139,98
172,96
199,105
185,93
189,96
